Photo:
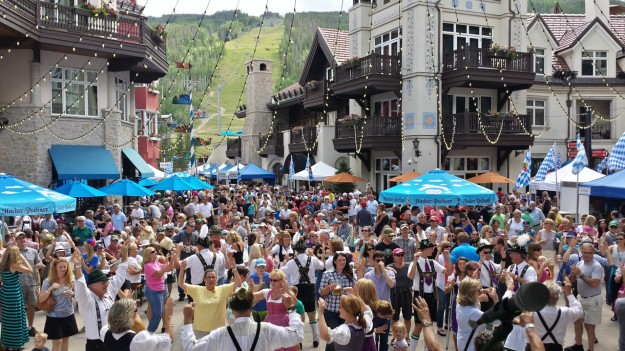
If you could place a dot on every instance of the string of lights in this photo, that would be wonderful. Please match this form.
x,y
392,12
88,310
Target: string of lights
x,y
365,97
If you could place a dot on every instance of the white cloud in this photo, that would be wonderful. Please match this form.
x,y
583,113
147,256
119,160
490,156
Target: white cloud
x,y
252,7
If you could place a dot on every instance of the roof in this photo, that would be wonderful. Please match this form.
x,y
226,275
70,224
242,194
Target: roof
x,y
563,24
338,43
570,37
293,91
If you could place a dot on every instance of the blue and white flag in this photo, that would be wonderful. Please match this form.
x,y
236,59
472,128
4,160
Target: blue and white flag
x,y
309,169
291,169
616,160
238,173
602,165
548,164
170,168
558,162
524,177
580,161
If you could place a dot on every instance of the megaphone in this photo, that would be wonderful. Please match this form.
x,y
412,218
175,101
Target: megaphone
x,y
530,297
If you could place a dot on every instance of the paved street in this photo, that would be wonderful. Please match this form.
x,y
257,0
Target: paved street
x,y
607,333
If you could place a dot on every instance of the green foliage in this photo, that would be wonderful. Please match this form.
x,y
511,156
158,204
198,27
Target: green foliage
x,y
340,188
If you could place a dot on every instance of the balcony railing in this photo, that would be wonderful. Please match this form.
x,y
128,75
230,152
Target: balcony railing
x,y
375,126
472,123
483,58
273,144
233,148
368,65
303,139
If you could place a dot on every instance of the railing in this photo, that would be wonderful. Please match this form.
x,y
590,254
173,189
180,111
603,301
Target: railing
x,y
317,91
375,126
306,135
233,147
483,58
372,64
273,143
471,123
27,8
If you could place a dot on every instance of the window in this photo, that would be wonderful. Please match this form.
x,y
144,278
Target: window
x,y
539,63
457,36
463,103
388,43
385,169
329,74
121,97
536,111
594,63
385,108
466,167
74,92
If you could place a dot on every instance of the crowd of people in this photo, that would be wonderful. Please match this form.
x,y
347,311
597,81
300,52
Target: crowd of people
x,y
257,263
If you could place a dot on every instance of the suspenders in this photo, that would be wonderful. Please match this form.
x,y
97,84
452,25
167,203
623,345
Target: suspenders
x,y
236,343
97,313
422,277
550,329
212,265
303,271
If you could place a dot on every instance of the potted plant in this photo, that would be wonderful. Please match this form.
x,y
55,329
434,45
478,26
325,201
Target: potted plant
x,y
312,84
497,50
353,62
297,129
352,120
160,31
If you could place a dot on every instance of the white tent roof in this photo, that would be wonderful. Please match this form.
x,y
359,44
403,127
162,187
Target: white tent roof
x,y
565,174
158,174
236,167
320,171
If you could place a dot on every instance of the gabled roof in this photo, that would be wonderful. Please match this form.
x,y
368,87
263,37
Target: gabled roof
x,y
334,44
534,19
572,36
294,92
559,24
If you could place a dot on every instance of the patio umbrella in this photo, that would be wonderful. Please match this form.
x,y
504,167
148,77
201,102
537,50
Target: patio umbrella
x,y
20,198
344,177
229,133
439,188
147,182
174,183
490,177
126,187
75,188
197,182
405,177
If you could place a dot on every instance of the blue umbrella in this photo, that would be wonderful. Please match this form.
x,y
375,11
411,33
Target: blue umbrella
x,y
147,182
126,187
230,133
439,188
197,182
20,198
75,188
174,183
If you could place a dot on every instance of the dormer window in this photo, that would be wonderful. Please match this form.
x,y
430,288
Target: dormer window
x,y
594,63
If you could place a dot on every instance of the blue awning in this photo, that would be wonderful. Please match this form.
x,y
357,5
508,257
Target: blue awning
x,y
83,162
130,155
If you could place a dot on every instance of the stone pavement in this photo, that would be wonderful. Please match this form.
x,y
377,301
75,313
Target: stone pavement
x,y
607,332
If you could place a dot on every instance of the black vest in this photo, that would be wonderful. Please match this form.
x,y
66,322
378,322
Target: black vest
x,y
121,344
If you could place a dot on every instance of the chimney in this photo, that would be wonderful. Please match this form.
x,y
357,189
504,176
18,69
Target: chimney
x,y
597,9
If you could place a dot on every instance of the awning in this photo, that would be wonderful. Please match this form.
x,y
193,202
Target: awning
x,y
83,162
131,160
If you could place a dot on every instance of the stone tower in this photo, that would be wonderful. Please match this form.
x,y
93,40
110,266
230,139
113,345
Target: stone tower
x,y
258,115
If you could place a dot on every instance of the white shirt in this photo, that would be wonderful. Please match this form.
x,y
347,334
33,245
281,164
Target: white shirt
x,y
352,208
487,267
143,340
342,334
441,280
464,314
517,340
197,268
136,263
416,282
440,233
244,328
136,213
206,209
530,275
292,271
85,299
567,317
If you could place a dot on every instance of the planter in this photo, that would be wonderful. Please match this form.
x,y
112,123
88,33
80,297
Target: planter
x,y
353,123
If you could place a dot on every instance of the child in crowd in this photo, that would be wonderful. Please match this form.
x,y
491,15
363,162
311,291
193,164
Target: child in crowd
x,y
40,342
399,334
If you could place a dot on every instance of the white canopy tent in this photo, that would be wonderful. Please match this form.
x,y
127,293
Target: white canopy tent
x,y
320,171
158,174
565,175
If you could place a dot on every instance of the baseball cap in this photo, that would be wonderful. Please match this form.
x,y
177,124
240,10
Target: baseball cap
x,y
114,237
526,223
434,218
261,262
614,224
398,251
404,226
99,247
344,194
90,241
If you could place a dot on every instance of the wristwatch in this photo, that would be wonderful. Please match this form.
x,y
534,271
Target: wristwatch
x,y
426,324
581,276
528,325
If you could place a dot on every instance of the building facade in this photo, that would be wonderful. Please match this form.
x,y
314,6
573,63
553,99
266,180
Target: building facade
x,y
69,82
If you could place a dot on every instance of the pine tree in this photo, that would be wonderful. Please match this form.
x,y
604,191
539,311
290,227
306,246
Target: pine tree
x,y
340,188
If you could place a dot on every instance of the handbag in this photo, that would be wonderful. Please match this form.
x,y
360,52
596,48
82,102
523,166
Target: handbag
x,y
47,305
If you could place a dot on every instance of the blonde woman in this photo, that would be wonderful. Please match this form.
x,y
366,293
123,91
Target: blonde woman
x,y
90,260
351,334
365,289
155,266
236,247
60,322
107,230
487,233
14,326
255,253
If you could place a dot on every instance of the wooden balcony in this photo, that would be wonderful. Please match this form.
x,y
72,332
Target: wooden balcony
x,y
75,30
480,68
304,140
233,148
274,146
470,128
379,133
379,73
315,98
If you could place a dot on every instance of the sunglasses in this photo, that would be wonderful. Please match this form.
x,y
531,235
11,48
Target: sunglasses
x,y
399,255
275,280
380,260
370,249
487,252
366,230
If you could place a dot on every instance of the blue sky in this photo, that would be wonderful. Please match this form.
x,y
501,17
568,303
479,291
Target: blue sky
x,y
252,7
